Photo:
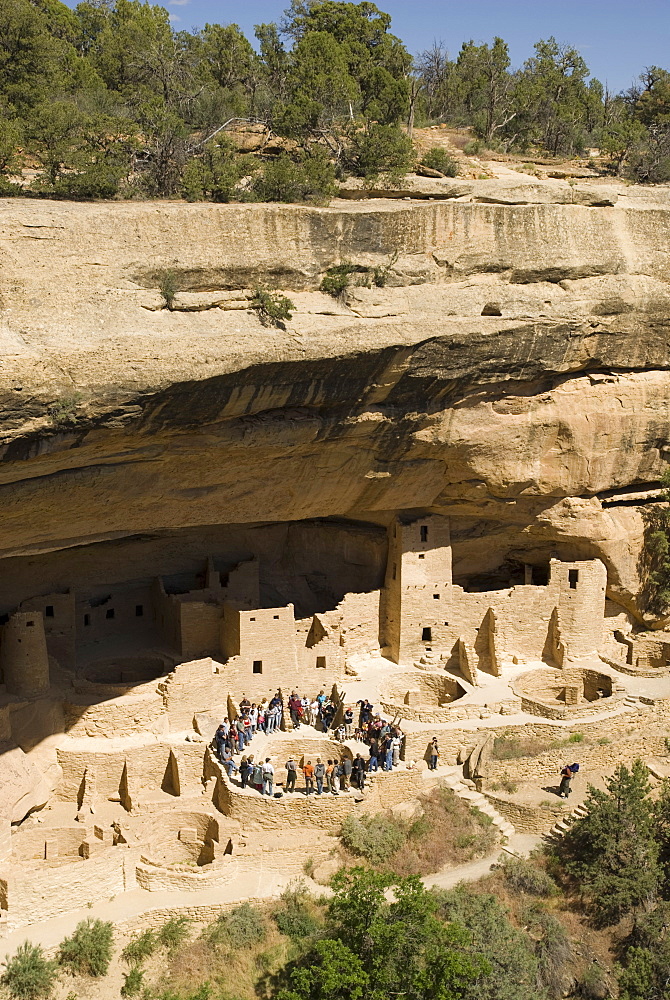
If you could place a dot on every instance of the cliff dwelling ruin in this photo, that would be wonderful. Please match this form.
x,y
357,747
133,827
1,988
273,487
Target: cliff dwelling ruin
x,y
405,498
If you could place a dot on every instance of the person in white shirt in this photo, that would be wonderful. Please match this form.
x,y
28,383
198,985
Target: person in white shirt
x,y
268,777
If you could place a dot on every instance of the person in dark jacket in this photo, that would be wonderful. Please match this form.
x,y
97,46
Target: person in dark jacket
x,y
567,774
359,771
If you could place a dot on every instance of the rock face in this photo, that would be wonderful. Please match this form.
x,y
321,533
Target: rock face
x,y
540,426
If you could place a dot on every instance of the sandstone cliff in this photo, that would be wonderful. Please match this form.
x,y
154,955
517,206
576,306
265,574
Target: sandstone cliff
x,y
512,372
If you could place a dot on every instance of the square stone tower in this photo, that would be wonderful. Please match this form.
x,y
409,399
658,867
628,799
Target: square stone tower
x,y
417,588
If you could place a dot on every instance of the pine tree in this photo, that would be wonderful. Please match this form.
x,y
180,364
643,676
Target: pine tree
x,y
612,852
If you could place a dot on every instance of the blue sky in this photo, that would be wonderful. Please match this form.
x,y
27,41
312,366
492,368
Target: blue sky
x,y
617,38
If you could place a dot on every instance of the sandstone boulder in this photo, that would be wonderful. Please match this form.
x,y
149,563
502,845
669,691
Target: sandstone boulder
x,y
23,786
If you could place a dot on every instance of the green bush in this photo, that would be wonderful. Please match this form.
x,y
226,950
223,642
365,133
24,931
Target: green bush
x,y
141,947
88,951
173,933
552,949
133,982
337,278
474,147
374,838
168,285
215,174
381,149
439,159
310,179
29,975
523,876
64,412
576,738
232,931
292,915
273,309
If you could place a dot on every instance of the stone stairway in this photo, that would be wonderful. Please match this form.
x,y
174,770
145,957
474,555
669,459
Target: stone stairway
x,y
452,777
563,825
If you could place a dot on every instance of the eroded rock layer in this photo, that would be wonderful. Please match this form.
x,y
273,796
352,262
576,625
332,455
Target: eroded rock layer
x,y
510,371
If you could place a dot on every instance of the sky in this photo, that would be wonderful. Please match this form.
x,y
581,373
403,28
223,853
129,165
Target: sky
x,y
617,38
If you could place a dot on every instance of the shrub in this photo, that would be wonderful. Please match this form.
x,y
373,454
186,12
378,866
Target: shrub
x,y
29,975
88,951
506,784
337,278
523,876
64,412
576,738
140,948
474,147
311,178
381,149
133,982
374,838
214,175
272,308
232,931
439,159
552,949
293,916
168,285
173,933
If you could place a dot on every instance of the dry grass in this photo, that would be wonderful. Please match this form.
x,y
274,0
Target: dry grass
x,y
448,833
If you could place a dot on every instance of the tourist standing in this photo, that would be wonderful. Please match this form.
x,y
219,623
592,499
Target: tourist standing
x,y
359,769
374,755
268,777
308,771
567,774
319,775
434,754
346,767
244,771
331,777
291,774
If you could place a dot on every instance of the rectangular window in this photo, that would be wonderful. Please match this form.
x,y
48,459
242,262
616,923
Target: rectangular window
x,y
49,611
436,597
276,617
395,569
424,533
109,613
87,620
321,661
421,555
573,577
30,624
252,619
139,610
258,666
426,635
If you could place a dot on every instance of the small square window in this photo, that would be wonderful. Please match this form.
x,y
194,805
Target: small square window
x,y
426,635
30,624
252,619
321,661
436,597
139,610
109,613
421,555
87,620
49,611
258,667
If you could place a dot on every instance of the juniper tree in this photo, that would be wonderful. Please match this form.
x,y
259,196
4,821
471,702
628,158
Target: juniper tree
x,y
612,852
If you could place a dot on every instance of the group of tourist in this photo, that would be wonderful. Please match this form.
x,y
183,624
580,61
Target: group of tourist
x,y
383,741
